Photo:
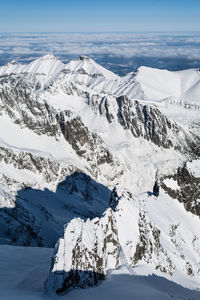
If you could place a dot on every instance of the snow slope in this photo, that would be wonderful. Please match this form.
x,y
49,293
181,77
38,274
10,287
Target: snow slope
x,y
24,269
156,85
68,134
143,229
45,68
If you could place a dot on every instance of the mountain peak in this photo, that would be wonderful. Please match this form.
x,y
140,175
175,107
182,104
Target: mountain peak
x,y
87,66
68,134
47,64
84,58
13,63
48,56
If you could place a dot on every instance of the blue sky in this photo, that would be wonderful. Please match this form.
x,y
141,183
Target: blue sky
x,y
100,16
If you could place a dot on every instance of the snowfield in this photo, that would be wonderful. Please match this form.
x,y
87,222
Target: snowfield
x,y
23,271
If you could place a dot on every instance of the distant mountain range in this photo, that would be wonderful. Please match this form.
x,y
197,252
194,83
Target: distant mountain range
x,y
80,151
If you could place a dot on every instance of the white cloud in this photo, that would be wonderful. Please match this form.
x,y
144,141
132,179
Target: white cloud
x,y
127,45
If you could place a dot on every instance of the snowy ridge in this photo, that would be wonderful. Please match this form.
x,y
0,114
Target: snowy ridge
x,y
45,69
146,84
141,230
156,85
68,134
47,65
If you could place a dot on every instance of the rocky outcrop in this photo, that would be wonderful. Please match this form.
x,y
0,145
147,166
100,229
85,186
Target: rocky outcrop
x,y
148,122
82,262
86,144
22,106
145,121
128,235
83,140
186,189
22,160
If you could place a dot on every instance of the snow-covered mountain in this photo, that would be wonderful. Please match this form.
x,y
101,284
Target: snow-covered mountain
x,y
70,133
137,230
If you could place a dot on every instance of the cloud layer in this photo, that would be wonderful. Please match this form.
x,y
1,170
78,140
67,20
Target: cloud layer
x,y
125,50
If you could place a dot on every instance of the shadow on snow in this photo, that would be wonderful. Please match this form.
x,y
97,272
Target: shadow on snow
x,y
39,215
119,286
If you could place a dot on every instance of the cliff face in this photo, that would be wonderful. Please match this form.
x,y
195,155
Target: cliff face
x,y
184,185
68,135
134,231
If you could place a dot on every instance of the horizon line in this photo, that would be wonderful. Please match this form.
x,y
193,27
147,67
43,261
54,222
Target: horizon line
x,y
96,32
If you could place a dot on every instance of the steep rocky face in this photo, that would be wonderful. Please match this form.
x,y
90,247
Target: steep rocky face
x,y
86,144
148,122
87,250
130,234
70,132
185,187
85,262
33,110
23,160
30,106
149,247
23,108
145,121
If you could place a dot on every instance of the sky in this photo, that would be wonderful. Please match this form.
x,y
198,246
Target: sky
x,y
99,16
120,35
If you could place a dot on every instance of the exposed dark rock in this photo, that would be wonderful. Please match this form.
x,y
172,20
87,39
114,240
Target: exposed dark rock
x,y
85,143
24,109
148,122
25,160
88,265
188,192
145,121
104,109
78,279
150,246
156,188
114,198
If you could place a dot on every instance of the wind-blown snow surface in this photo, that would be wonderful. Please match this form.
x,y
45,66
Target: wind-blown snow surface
x,y
157,85
70,133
